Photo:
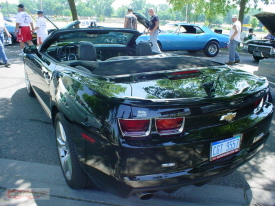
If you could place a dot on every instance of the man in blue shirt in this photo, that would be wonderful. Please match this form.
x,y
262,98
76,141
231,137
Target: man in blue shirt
x,y
154,30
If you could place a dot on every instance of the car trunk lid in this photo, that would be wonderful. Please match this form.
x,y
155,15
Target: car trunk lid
x,y
267,19
176,79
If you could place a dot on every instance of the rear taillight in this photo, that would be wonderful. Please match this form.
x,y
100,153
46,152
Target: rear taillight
x,y
135,127
169,126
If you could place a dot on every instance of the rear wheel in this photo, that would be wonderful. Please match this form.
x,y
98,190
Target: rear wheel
x,y
211,49
256,58
73,174
29,86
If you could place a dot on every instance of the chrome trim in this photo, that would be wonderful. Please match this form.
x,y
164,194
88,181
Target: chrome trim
x,y
146,133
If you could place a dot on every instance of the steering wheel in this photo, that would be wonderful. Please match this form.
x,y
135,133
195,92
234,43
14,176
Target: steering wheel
x,y
62,51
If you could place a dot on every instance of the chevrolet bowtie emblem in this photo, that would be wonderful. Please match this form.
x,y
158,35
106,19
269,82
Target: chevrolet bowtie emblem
x,y
228,117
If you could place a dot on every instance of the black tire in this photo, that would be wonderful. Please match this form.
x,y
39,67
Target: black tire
x,y
73,174
29,86
13,38
256,58
211,49
192,51
160,46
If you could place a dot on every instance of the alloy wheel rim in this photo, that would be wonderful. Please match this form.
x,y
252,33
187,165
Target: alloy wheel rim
x,y
212,49
64,151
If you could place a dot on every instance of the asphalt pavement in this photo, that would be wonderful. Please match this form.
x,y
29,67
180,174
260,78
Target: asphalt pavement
x,y
28,159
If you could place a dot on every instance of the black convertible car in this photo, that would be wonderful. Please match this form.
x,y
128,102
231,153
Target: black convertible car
x,y
132,122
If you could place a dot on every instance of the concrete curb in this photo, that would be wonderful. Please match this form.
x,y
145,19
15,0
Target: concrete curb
x,y
26,175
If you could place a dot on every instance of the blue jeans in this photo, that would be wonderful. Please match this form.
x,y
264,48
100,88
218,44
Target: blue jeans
x,y
154,39
2,51
233,54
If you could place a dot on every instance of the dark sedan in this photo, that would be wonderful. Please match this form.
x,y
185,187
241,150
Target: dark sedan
x,y
131,122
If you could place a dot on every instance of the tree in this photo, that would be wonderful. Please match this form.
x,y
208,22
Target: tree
x,y
211,8
73,10
254,22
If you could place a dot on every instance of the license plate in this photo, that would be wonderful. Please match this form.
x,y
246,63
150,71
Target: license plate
x,y
258,54
225,147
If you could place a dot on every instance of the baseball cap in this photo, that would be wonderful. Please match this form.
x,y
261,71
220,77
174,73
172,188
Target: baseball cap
x,y
130,9
21,6
234,16
39,12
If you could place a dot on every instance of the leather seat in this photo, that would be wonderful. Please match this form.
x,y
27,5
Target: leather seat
x,y
87,51
143,49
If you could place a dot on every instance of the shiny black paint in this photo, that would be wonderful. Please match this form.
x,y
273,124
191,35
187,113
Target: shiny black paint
x,y
92,103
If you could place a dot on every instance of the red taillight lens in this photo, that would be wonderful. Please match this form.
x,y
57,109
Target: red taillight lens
x,y
170,125
135,127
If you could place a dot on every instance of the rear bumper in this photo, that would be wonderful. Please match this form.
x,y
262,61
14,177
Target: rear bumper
x,y
174,180
199,173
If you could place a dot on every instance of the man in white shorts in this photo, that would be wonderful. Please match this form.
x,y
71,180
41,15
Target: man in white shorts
x,y
22,28
41,27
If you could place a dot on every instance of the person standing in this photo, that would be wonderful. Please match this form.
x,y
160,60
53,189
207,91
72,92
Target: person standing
x,y
234,40
154,30
22,28
41,27
3,28
130,20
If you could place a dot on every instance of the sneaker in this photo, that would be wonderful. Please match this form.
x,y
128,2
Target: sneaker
x,y
7,64
21,54
1,63
237,61
229,63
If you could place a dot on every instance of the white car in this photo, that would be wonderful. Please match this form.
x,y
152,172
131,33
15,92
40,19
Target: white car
x,y
87,23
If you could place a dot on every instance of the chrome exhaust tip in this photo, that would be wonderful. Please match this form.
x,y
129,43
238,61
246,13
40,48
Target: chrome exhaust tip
x,y
145,195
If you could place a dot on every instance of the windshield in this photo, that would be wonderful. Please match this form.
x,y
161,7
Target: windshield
x,y
95,37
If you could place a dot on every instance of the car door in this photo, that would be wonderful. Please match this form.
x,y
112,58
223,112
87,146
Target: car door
x,y
39,69
186,38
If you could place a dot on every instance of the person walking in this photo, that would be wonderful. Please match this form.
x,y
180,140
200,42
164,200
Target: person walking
x,y
3,28
154,30
22,28
41,27
130,20
234,40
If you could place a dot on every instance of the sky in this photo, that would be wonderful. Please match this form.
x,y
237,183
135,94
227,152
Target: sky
x,y
118,3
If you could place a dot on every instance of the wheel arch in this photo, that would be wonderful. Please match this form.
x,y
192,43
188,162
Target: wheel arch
x,y
211,40
160,44
54,112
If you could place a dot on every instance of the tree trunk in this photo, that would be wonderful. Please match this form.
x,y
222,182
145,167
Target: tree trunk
x,y
73,11
242,8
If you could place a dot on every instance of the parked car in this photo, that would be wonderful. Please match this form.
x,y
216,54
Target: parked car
x,y
262,48
189,37
11,28
87,24
131,122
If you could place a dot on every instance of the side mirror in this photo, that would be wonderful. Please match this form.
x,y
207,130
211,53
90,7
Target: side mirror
x,y
30,49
